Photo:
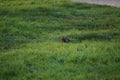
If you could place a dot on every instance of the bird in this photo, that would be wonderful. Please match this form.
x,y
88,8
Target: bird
x,y
65,39
6,47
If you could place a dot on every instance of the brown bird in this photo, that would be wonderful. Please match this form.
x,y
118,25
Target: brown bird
x,y
65,40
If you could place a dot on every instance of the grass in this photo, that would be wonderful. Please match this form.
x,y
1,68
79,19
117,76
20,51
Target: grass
x,y
31,47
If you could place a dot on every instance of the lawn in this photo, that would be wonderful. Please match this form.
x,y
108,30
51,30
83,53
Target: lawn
x,y
31,46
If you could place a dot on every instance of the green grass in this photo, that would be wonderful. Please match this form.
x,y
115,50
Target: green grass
x,y
31,47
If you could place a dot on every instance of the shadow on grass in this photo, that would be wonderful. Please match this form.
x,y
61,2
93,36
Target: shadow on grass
x,y
64,15
95,36
70,17
82,5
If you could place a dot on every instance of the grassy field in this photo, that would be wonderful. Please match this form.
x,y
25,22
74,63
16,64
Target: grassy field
x,y
31,47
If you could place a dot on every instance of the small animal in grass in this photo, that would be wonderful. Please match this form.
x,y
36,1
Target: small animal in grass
x,y
65,40
6,47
